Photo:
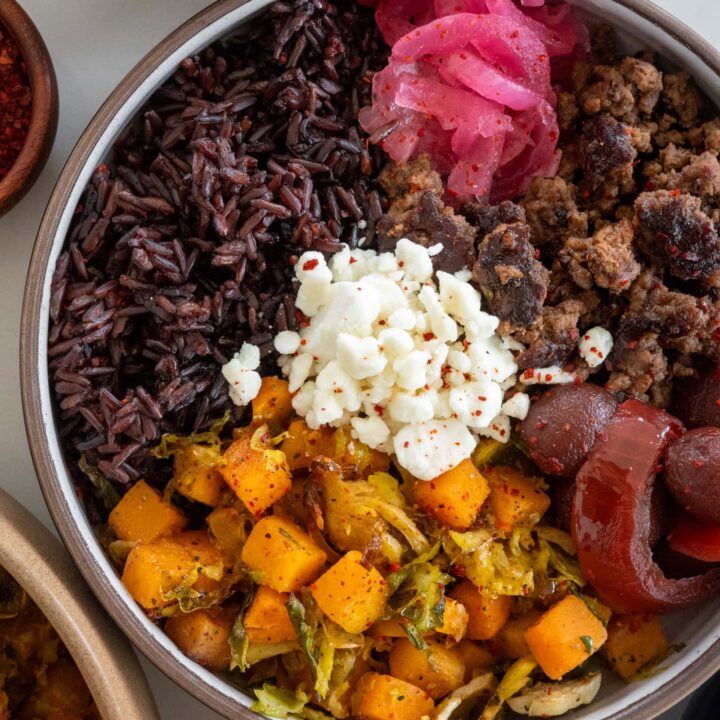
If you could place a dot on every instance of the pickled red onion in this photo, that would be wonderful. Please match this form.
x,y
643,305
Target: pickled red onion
x,y
469,83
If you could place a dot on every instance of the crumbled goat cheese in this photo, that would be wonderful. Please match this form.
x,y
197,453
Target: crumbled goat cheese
x,y
241,374
595,345
409,361
517,406
287,342
553,375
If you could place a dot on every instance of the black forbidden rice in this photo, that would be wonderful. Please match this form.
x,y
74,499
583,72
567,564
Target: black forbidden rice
x,y
183,247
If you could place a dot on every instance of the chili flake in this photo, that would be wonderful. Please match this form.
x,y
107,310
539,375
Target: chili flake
x,y
15,102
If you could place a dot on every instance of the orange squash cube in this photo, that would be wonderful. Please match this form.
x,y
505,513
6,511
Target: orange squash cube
x,y
143,515
454,498
565,636
455,620
282,555
211,560
486,614
509,643
273,404
196,476
153,570
475,656
259,475
350,594
203,635
301,444
634,641
515,500
437,670
267,619
384,697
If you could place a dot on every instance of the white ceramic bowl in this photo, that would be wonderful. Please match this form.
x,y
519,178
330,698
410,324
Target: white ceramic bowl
x,y
640,23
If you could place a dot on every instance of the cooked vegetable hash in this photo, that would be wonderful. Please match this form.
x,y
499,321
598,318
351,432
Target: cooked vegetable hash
x,y
38,678
386,358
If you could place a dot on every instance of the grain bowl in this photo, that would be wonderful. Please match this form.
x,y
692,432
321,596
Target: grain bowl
x,y
221,220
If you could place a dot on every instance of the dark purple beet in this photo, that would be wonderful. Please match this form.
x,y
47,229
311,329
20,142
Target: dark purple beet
x,y
692,473
563,424
695,399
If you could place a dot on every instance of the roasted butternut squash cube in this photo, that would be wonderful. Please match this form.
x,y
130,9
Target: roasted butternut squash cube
x,y
633,642
301,444
203,635
384,697
143,515
153,571
454,498
350,594
565,636
486,614
455,620
212,562
282,555
257,473
509,643
475,656
267,619
273,404
436,670
196,476
515,500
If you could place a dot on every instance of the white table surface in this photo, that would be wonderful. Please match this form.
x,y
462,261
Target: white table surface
x,y
93,44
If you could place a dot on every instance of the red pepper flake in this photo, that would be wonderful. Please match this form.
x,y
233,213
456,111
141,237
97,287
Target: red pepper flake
x,y
698,464
353,260
310,264
15,102
428,336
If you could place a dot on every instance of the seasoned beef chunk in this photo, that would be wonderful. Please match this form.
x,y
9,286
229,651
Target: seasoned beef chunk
x,y
402,181
552,214
419,214
485,218
682,97
627,91
511,279
674,232
700,176
428,223
640,370
605,149
552,338
606,259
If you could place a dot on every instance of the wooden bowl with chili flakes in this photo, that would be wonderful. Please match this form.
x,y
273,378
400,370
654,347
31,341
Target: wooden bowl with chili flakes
x,y
28,103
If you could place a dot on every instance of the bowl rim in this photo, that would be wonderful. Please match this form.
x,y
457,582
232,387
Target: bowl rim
x,y
42,566
45,105
219,695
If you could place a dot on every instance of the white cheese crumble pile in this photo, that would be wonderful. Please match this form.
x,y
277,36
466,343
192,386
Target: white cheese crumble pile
x,y
410,361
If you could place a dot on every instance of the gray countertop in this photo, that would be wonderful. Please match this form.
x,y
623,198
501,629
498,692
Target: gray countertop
x,y
93,44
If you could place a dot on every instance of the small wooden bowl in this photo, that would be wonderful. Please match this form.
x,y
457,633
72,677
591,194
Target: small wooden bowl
x,y
44,114
40,564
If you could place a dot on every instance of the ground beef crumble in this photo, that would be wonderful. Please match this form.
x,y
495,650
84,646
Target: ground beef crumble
x,y
628,228
418,212
513,282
